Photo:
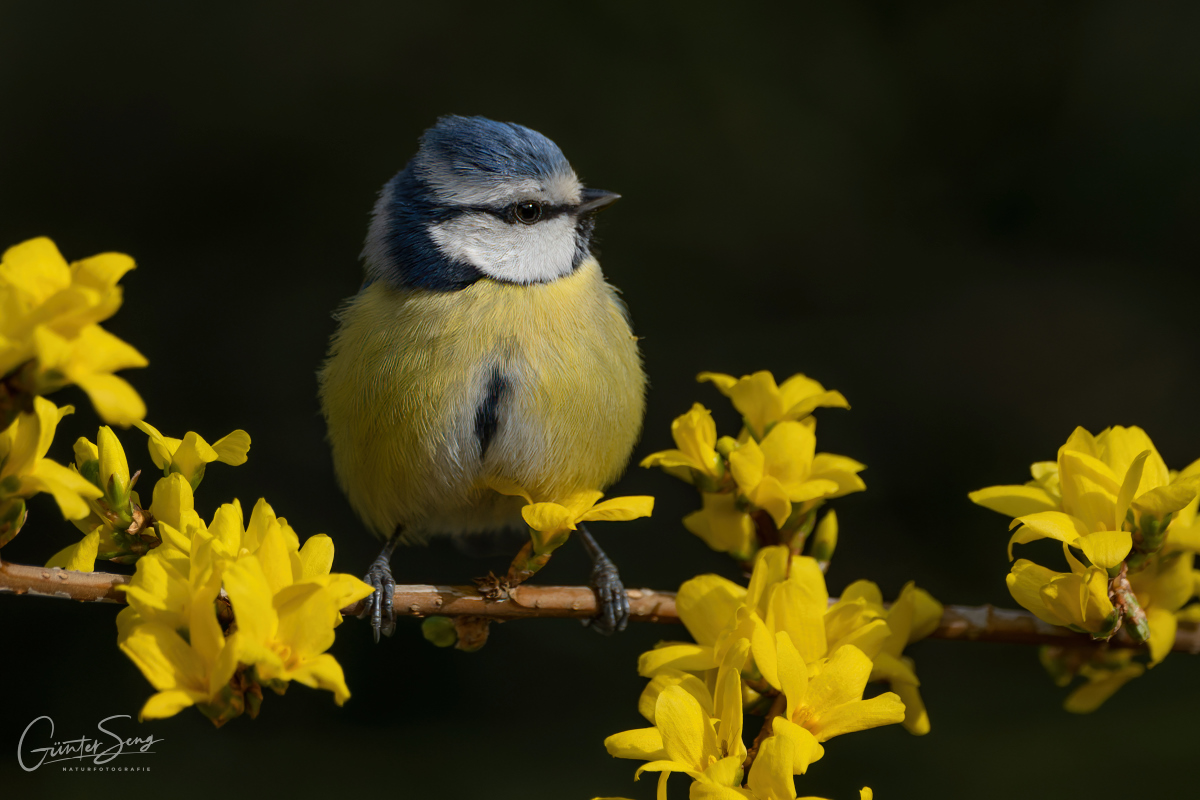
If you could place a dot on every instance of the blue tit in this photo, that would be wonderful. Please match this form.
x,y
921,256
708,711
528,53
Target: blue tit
x,y
484,344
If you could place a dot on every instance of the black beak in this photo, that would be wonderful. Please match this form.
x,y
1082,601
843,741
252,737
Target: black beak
x,y
592,200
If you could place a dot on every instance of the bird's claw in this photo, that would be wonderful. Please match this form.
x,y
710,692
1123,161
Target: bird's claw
x,y
379,605
611,599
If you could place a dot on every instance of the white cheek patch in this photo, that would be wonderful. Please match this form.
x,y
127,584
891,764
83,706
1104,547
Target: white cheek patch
x,y
509,251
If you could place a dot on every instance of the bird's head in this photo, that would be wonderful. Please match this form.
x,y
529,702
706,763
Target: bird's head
x,y
481,199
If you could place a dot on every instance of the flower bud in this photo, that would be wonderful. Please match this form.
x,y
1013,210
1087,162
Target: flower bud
x,y
12,517
826,537
440,631
85,453
114,475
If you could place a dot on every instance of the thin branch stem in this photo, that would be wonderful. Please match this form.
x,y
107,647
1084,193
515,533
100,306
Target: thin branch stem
x,y
778,707
973,623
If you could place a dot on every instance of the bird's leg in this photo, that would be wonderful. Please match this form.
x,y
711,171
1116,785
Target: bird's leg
x,y
611,599
378,607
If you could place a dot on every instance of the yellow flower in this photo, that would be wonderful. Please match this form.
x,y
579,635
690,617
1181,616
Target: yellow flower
x,y
167,581
784,471
1078,599
78,557
696,459
719,613
723,526
111,516
914,615
1104,494
174,503
284,634
196,670
825,538
762,403
1105,671
25,470
707,606
1163,587
284,600
550,524
826,698
189,456
49,312
699,733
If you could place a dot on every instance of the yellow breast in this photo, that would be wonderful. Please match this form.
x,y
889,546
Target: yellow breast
x,y
548,376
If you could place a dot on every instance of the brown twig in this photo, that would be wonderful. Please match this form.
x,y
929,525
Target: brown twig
x,y
777,708
974,623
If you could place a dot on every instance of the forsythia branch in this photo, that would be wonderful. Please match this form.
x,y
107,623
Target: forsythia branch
x,y
974,623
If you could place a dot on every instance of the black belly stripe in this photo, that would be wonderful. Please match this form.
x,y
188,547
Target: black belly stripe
x,y
487,416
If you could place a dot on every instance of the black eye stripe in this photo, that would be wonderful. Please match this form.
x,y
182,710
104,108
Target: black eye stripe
x,y
509,212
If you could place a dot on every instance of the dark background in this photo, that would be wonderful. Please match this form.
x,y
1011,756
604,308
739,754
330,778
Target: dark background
x,y
977,220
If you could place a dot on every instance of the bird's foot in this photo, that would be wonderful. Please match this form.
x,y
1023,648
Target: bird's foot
x,y
378,606
611,599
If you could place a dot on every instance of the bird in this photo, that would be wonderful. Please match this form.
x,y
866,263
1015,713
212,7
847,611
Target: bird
x,y
484,344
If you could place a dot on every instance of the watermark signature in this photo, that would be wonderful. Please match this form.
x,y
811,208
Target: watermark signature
x,y
100,751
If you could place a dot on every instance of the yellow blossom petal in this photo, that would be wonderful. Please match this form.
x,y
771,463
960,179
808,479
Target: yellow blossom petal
x,y
770,776
548,517
645,744
722,381
886,709
79,557
620,509
686,657
1129,489
577,503
707,605
1015,501
115,400
916,718
673,677
505,486
1120,447
274,558
191,456
160,452
232,448
1162,633
1091,695
1106,549
807,749
1163,500
841,681
69,489
1048,525
169,703
771,496
722,525
688,734
316,556
166,660
323,672
793,675
1089,490
174,502
747,465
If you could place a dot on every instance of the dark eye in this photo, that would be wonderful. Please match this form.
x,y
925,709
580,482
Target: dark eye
x,y
528,212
